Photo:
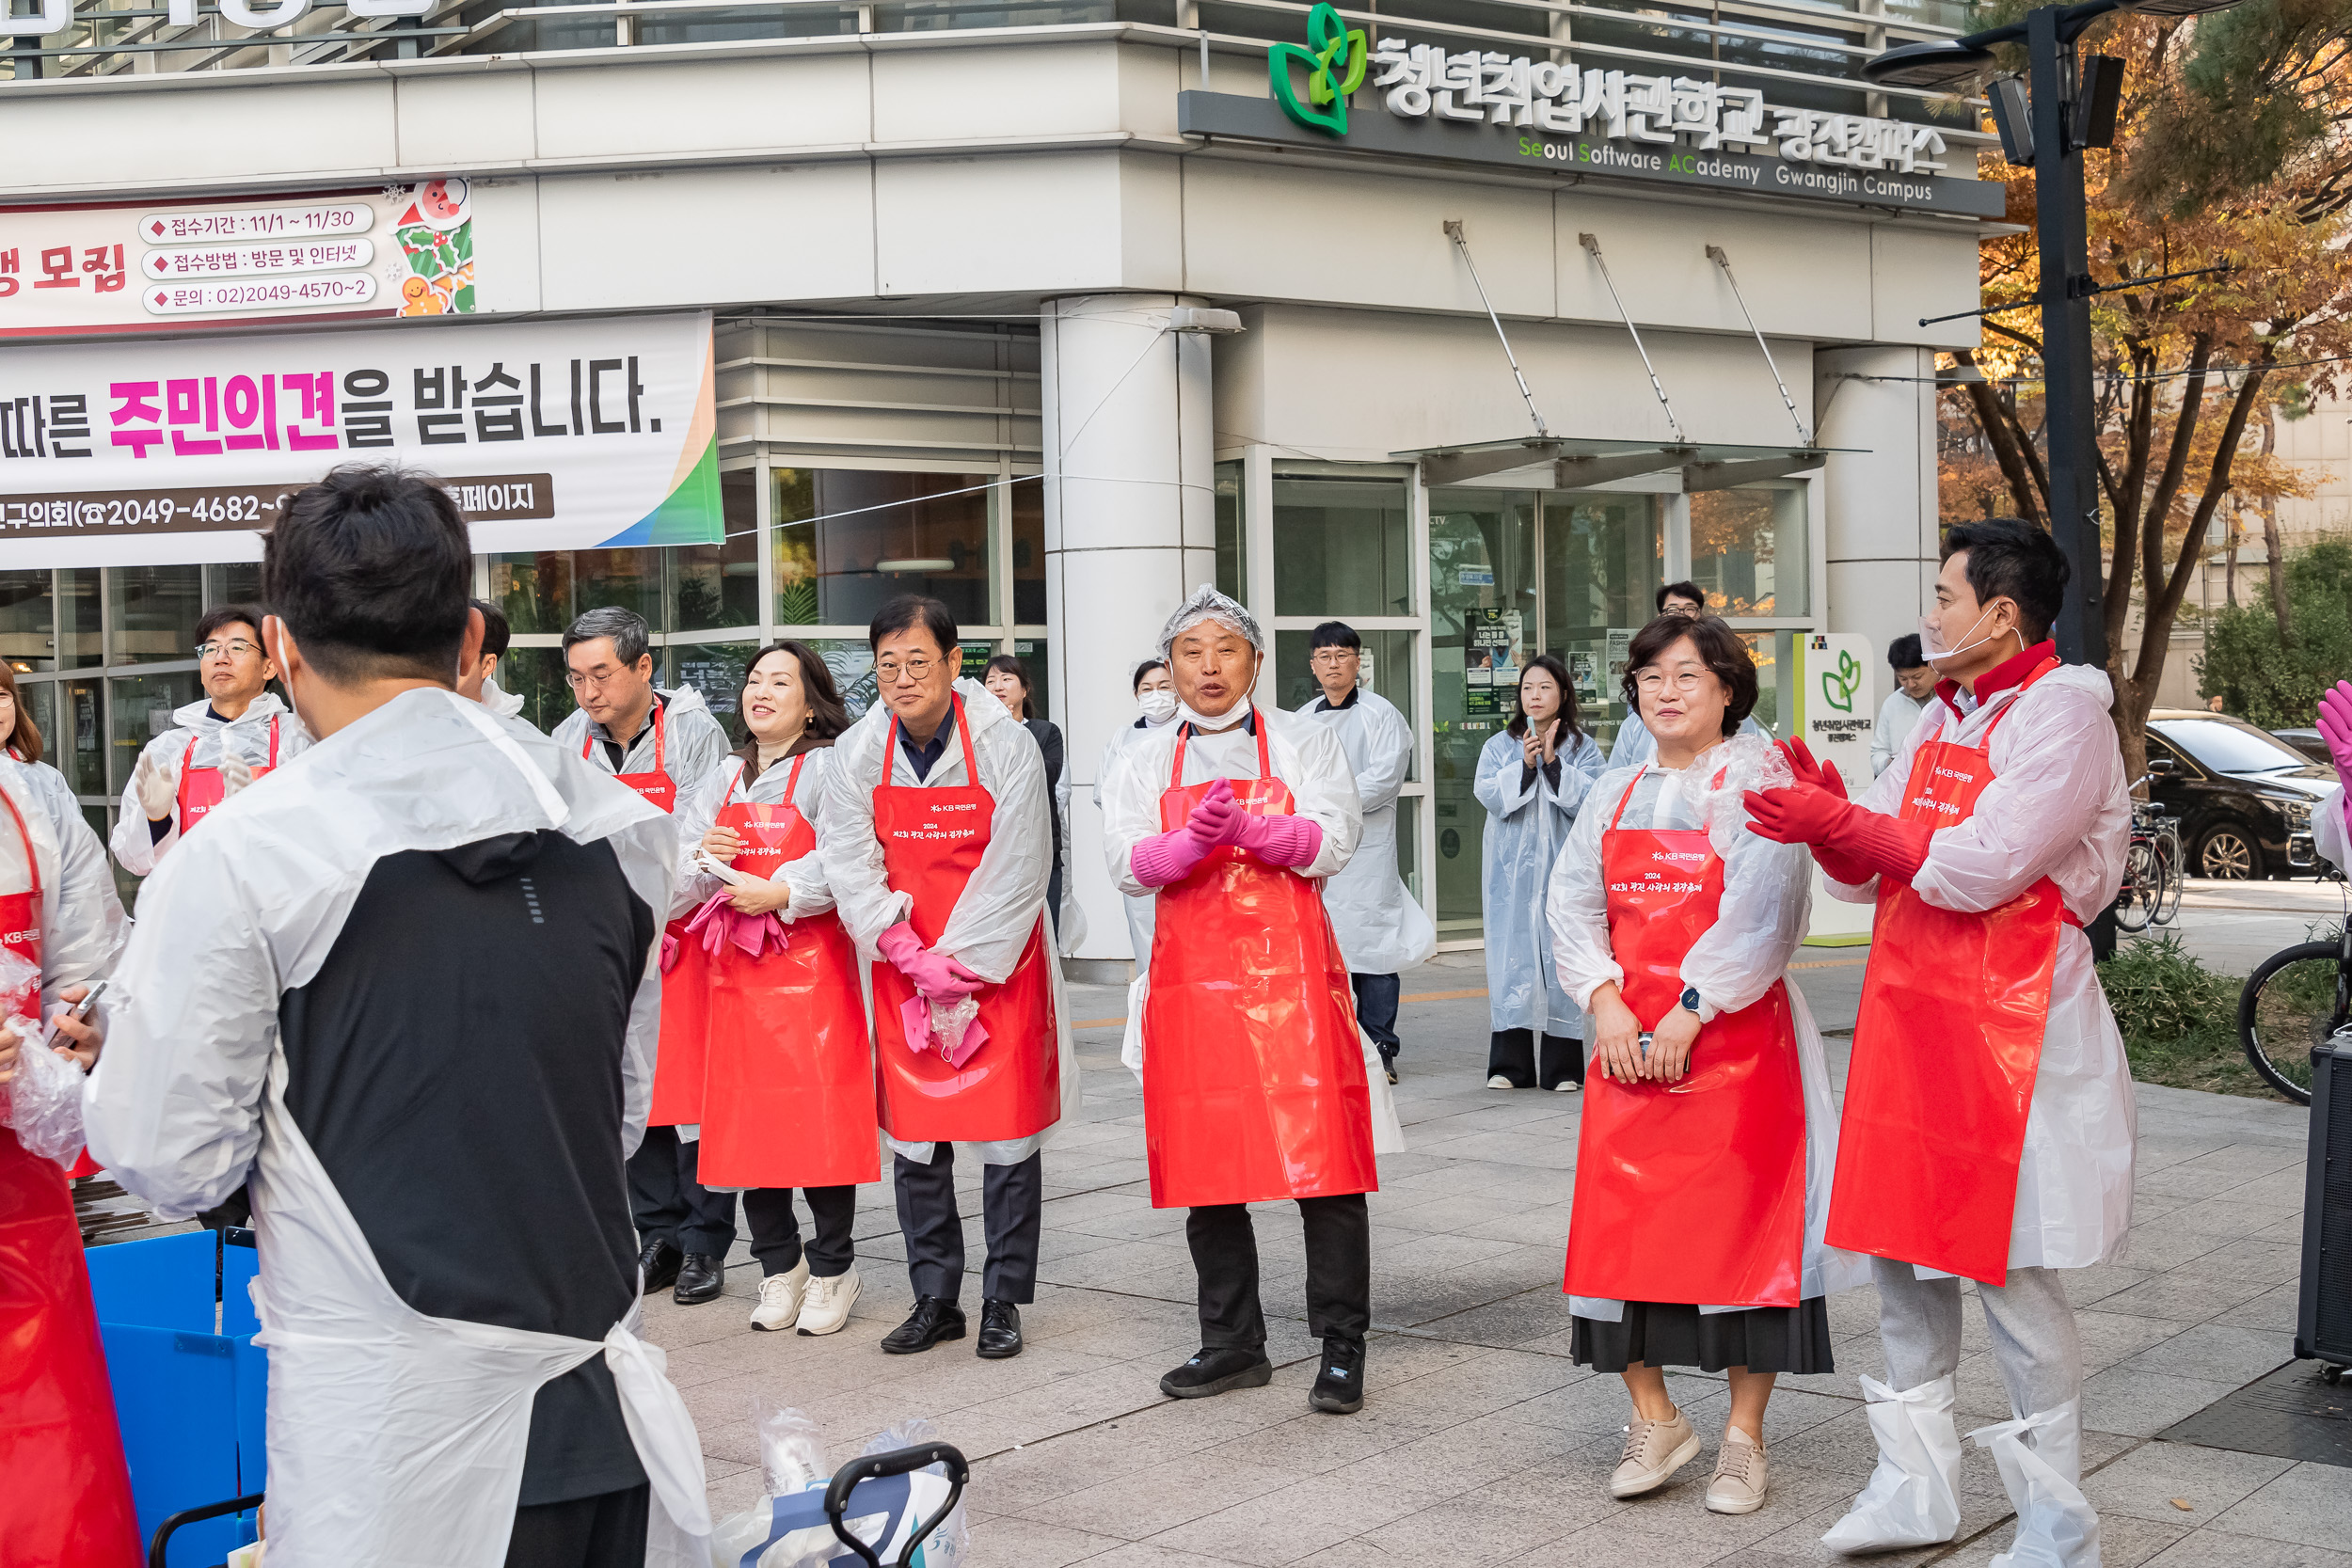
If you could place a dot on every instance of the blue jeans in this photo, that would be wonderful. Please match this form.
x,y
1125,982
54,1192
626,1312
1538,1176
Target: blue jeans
x,y
1375,1008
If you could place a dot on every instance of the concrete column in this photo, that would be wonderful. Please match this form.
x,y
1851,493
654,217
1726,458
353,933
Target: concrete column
x,y
1879,505
1130,529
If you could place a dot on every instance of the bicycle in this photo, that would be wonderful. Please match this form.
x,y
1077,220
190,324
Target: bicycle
x,y
2293,1001
2150,893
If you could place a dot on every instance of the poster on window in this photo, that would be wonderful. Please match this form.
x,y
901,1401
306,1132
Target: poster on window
x,y
1490,661
550,435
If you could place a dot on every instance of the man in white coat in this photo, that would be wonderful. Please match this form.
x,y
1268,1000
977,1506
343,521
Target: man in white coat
x,y
1382,928
409,985
1914,687
215,747
1988,845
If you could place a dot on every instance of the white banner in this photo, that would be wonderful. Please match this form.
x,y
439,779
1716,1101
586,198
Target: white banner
x,y
1837,704
553,434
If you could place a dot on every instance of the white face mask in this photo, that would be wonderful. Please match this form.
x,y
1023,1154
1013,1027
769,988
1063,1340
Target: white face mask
x,y
1929,639
1158,706
1222,723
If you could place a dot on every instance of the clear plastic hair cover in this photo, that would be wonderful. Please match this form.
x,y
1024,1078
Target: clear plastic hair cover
x,y
1207,604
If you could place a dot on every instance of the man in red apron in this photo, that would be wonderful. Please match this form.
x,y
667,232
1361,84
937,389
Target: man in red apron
x,y
215,747
1255,1085
653,740
938,845
1988,1123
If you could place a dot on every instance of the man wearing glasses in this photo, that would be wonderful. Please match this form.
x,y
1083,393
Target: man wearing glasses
x,y
650,738
237,732
938,846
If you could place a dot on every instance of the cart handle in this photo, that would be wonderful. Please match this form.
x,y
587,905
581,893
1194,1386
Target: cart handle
x,y
872,1466
194,1516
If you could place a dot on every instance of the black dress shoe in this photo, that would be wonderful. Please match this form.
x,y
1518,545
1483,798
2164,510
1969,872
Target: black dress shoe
x,y
659,1264
931,1321
1339,1388
699,1280
1000,1331
1216,1369
1387,1063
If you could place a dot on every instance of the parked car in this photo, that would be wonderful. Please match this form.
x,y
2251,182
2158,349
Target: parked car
x,y
2309,742
2242,795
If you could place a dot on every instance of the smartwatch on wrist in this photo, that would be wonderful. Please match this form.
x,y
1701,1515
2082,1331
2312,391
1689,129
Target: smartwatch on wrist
x,y
1690,999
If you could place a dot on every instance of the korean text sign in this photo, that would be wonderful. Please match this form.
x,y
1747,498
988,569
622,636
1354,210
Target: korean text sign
x,y
551,434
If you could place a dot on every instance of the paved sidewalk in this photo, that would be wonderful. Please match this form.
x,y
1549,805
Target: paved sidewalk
x,y
1480,1441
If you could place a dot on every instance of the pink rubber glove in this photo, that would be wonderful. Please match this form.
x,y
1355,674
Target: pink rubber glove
x,y
1169,857
1218,817
1292,841
2335,726
939,977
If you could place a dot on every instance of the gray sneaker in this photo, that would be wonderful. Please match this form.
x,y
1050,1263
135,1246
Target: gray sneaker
x,y
1739,1473
1654,1451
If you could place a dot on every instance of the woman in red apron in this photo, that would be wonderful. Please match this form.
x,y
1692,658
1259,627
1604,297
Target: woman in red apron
x,y
787,1069
1691,1242
67,1499
1255,1085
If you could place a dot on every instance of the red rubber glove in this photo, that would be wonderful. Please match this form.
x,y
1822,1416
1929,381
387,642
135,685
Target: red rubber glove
x,y
1292,841
1167,857
940,979
1824,776
1879,845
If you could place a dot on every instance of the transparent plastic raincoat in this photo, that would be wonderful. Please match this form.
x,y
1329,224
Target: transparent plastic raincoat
x,y
1381,927
1525,830
249,735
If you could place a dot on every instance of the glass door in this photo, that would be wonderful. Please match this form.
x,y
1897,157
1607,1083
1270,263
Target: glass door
x,y
1604,560
1484,619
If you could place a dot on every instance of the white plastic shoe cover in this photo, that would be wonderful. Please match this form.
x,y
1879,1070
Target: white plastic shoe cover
x,y
2056,1525
1912,1498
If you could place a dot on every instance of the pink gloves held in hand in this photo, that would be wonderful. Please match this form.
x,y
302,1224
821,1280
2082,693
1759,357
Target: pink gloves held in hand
x,y
939,977
2335,726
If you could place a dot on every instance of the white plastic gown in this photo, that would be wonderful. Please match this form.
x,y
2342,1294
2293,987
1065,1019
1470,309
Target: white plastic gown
x,y
693,742
1382,928
1759,924
1139,909
2329,835
248,735
698,808
1525,830
1636,745
1897,717
395,1438
2057,808
505,704
81,919
990,923
1306,756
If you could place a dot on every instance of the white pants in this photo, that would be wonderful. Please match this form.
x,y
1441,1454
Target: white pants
x,y
2035,1346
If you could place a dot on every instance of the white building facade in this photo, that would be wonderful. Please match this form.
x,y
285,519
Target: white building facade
x,y
947,262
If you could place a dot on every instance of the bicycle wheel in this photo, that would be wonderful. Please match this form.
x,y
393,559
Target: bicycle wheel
x,y
2292,1003
2176,877
2136,900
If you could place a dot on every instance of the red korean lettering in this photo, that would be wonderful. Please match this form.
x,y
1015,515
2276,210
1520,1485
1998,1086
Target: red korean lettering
x,y
56,263
8,264
105,262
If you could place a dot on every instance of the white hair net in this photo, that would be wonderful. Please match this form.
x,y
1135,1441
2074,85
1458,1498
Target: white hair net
x,y
1207,604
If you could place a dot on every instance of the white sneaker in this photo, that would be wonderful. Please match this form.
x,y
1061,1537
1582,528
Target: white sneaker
x,y
780,1298
1571,1086
1499,1082
830,1298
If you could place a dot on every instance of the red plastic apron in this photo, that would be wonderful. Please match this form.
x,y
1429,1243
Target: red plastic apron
x,y
1946,1043
202,788
788,1083
67,1498
677,1071
932,840
1689,1191
1253,1069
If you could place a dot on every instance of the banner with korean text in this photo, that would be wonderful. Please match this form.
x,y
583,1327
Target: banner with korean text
x,y
551,434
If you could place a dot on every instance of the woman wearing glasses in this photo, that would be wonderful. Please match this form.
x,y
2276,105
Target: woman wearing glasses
x,y
1532,778
216,746
1696,1237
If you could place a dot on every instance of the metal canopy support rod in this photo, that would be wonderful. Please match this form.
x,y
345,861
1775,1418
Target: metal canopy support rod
x,y
1592,247
1581,473
1454,467
1700,477
1715,254
1453,232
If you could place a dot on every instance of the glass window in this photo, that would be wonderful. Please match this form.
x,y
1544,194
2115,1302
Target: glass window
x,y
718,585
1233,540
2230,745
1388,669
71,742
852,661
548,590
716,671
1027,500
1339,547
847,540
536,675
233,582
1031,650
1748,552
78,642
1775,657
1483,618
28,620
38,702
1604,560
1408,843
141,709
152,613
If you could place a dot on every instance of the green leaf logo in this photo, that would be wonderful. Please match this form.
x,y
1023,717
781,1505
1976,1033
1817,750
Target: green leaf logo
x,y
1839,685
1335,68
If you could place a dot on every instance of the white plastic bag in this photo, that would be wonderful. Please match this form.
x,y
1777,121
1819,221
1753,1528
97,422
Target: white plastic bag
x,y
950,1544
44,1095
2056,1526
1912,1498
787,1527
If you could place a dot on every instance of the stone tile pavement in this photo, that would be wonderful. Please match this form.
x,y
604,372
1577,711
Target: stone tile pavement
x,y
1480,1443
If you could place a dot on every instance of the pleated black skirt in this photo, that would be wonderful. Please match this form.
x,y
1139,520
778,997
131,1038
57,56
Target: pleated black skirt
x,y
1658,1333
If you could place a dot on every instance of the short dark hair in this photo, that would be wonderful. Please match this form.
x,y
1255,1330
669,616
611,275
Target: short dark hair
x,y
1904,652
1719,648
1558,672
1334,634
632,640
1142,669
1684,590
909,611
496,633
228,615
2011,559
369,569
1020,672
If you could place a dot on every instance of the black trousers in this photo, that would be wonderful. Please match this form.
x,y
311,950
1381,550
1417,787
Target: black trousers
x,y
1511,1053
776,1231
669,1205
1375,1008
1011,1212
603,1532
1339,1271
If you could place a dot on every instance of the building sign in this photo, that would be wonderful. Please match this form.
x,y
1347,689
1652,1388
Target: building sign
x,y
1836,706
1492,108
143,266
553,434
